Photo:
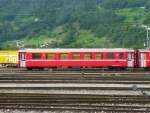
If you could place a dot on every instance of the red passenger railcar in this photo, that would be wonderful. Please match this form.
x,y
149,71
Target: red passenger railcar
x,y
45,58
143,59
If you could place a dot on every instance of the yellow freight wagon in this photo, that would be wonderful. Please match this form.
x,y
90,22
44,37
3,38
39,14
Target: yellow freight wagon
x,y
8,58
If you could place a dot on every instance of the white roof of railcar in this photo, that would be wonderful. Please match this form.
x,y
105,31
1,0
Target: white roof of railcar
x,y
80,50
144,50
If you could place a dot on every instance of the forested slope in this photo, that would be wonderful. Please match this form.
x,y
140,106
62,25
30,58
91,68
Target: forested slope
x,y
73,23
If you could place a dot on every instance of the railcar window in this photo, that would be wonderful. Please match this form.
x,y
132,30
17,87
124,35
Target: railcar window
x,y
129,56
98,56
22,56
63,56
88,56
143,55
76,56
110,56
50,56
121,56
36,55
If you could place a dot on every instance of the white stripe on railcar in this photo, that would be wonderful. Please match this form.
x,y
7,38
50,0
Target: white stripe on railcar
x,y
79,50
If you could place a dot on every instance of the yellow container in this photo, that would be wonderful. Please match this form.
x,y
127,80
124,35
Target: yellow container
x,y
8,57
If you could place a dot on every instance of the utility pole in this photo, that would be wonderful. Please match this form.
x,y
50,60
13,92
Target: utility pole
x,y
147,43
147,38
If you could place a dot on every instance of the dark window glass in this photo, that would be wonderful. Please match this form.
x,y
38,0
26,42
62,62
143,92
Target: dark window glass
x,y
98,56
87,56
50,56
63,56
121,56
36,55
76,56
22,56
110,55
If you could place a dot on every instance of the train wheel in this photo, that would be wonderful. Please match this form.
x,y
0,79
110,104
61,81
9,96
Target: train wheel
x,y
146,69
29,69
41,69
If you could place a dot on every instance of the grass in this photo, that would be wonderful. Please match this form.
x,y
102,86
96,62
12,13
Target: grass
x,y
133,15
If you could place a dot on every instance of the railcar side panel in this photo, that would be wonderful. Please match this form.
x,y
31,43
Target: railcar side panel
x,y
143,58
53,63
9,58
148,59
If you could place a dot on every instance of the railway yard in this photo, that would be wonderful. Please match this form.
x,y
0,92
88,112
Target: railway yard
x,y
85,91
75,56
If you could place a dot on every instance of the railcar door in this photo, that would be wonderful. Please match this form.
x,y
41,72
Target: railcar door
x,y
143,60
129,58
22,59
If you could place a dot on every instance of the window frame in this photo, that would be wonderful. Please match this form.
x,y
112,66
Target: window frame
x,y
129,56
79,56
111,56
88,57
62,57
35,58
98,57
121,56
22,56
51,58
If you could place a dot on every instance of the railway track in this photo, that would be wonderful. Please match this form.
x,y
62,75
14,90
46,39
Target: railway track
x,y
112,92
60,70
72,78
72,102
46,76
98,98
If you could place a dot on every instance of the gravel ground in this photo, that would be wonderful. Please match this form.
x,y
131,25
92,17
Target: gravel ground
x,y
34,111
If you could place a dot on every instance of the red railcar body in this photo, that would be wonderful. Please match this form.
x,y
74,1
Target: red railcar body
x,y
143,59
45,58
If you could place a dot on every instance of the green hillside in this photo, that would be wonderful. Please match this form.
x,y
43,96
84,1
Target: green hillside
x,y
73,23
